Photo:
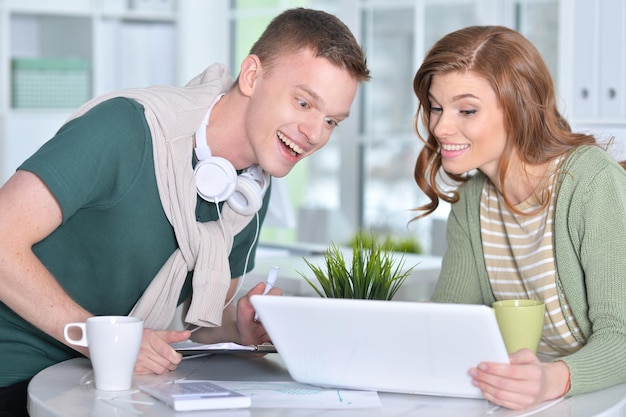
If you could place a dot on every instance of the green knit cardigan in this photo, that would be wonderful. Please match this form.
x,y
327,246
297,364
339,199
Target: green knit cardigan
x,y
589,240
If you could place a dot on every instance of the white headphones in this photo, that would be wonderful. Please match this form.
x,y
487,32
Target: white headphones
x,y
217,179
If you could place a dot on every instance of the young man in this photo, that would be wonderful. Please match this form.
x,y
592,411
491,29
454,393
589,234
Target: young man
x,y
105,220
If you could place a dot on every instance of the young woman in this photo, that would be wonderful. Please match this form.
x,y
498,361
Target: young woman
x,y
538,212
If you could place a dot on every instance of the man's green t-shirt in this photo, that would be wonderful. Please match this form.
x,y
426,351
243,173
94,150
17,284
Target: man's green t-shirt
x,y
114,237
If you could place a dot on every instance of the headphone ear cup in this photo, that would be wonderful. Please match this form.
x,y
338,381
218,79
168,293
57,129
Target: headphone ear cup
x,y
247,198
216,179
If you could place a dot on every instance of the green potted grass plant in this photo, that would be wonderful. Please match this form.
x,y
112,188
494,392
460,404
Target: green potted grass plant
x,y
375,271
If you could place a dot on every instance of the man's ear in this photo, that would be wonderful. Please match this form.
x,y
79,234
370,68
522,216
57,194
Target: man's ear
x,y
250,72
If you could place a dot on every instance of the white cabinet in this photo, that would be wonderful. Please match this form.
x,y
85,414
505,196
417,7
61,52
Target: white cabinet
x,y
611,73
56,54
594,43
599,52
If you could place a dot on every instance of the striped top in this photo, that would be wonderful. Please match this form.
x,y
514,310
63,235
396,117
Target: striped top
x,y
519,257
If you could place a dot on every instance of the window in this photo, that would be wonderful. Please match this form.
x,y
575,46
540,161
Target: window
x,y
363,179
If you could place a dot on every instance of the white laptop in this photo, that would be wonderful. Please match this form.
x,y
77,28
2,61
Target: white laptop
x,y
392,346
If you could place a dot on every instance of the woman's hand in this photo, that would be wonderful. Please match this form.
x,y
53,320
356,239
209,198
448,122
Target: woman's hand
x,y
156,355
523,383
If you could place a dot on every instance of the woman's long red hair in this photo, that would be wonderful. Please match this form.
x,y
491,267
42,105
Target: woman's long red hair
x,y
513,67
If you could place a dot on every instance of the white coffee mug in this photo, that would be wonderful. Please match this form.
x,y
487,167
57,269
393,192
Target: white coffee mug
x,y
113,343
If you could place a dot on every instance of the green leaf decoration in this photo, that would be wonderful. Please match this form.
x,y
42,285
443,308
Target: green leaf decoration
x,y
374,273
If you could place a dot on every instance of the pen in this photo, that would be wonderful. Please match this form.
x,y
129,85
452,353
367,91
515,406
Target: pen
x,y
269,283
271,279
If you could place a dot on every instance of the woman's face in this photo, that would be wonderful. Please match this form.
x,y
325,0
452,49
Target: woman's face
x,y
467,122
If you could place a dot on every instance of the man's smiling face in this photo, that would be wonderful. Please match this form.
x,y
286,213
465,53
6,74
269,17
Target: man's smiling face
x,y
294,107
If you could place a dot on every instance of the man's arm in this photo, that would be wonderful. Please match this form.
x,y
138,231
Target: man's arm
x,y
30,213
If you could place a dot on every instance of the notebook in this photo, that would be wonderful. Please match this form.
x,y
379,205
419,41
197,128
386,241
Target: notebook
x,y
189,348
391,346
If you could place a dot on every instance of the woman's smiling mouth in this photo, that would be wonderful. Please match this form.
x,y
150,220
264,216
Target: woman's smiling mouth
x,y
452,147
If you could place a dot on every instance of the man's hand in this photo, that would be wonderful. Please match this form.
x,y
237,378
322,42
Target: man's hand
x,y
251,331
238,324
156,356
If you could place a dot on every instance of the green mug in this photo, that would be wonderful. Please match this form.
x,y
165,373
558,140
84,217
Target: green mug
x,y
520,323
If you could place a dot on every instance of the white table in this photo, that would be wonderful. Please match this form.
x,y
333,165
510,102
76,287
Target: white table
x,y
66,389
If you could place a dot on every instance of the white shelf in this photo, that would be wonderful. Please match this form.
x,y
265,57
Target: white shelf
x,y
145,16
122,47
53,7
122,44
128,43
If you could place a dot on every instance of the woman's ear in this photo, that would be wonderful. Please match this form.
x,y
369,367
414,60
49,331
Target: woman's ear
x,y
250,72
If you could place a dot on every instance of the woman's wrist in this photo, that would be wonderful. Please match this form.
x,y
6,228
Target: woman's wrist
x,y
569,380
558,379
